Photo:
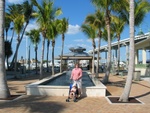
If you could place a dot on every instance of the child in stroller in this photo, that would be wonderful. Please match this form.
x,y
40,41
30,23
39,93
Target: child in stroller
x,y
73,93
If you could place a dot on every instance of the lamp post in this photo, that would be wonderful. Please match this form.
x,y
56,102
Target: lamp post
x,y
149,56
22,66
26,49
29,59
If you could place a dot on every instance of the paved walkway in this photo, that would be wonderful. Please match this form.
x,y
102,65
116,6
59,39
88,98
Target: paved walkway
x,y
45,104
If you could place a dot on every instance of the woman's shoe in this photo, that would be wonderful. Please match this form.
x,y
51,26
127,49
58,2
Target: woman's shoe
x,y
67,100
75,100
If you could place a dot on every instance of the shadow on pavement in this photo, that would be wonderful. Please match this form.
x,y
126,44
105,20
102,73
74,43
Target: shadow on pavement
x,y
33,104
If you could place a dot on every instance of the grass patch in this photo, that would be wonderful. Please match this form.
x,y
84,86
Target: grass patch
x,y
141,66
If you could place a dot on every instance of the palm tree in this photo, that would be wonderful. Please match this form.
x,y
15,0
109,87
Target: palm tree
x,y
97,21
104,38
108,6
104,35
118,27
23,13
15,15
11,14
34,36
137,11
4,91
62,27
43,18
18,26
45,15
91,33
52,34
125,95
141,8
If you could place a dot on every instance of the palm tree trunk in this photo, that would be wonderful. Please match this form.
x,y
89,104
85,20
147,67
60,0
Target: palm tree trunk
x,y
53,45
36,58
93,64
18,44
29,58
98,55
108,66
125,95
42,57
118,57
15,57
6,34
48,44
62,53
4,91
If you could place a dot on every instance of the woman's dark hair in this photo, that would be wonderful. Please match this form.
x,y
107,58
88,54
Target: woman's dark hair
x,y
76,64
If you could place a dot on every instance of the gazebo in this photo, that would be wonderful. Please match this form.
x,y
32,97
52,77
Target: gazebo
x,y
77,53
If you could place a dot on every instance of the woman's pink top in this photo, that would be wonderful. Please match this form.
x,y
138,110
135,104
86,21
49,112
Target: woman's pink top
x,y
76,73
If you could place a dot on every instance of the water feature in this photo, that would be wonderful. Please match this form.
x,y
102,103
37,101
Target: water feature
x,y
64,80
58,85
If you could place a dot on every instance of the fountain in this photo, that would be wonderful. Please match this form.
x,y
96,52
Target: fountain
x,y
58,84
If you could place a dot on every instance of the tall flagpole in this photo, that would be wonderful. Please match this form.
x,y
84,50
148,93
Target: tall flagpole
x,y
26,50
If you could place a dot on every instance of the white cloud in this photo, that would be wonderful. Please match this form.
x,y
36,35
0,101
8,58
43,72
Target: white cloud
x,y
58,47
96,39
69,45
82,45
90,40
32,26
9,37
79,40
14,1
73,29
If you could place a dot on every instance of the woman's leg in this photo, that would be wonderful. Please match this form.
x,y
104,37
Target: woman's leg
x,y
79,88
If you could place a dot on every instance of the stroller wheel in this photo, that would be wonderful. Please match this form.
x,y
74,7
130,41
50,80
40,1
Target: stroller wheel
x,y
67,100
75,100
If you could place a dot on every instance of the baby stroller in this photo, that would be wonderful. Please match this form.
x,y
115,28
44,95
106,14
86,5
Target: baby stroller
x,y
73,93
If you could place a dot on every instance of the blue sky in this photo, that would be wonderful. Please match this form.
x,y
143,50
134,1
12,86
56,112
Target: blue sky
x,y
76,11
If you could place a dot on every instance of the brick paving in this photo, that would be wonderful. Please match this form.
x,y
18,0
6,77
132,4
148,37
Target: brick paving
x,y
48,104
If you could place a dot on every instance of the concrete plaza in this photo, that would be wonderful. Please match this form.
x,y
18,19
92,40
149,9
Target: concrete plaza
x,y
50,104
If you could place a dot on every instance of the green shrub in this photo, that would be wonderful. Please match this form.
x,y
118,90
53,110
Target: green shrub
x,y
140,65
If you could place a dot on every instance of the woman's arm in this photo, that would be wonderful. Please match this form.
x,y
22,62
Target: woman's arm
x,y
71,75
80,74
